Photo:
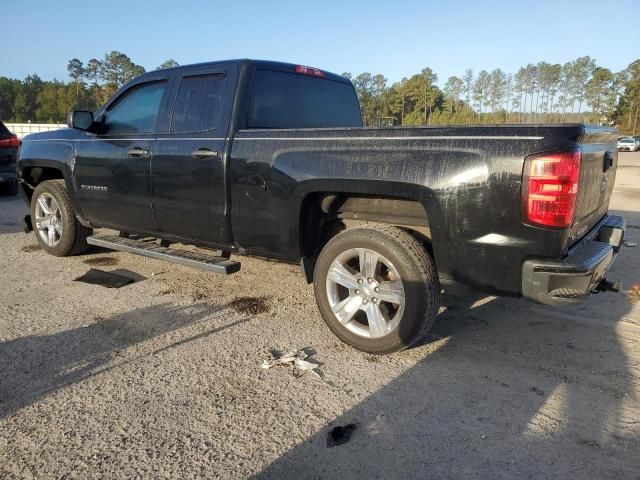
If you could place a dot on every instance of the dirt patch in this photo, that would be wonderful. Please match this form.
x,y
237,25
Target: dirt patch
x,y
251,305
634,293
101,261
31,248
193,288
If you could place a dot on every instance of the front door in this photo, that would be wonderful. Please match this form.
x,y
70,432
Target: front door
x,y
187,170
112,170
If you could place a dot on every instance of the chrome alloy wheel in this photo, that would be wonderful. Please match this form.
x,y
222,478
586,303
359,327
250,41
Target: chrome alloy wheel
x,y
365,292
48,219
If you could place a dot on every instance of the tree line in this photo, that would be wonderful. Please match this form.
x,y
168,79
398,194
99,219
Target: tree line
x,y
577,91
90,85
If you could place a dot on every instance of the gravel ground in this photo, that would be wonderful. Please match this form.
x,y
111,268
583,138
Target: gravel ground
x,y
161,378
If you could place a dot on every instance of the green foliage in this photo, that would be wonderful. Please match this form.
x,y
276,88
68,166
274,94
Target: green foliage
x,y
168,64
33,100
578,91
627,112
117,69
544,93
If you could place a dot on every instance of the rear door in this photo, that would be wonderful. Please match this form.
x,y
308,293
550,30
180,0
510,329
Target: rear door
x,y
112,170
188,174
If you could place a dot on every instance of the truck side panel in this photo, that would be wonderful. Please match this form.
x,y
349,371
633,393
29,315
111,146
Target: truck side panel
x,y
467,179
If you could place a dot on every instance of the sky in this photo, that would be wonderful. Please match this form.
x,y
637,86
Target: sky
x,y
395,38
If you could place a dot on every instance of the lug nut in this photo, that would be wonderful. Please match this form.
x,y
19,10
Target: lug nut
x,y
365,301
369,280
360,281
357,292
374,300
377,289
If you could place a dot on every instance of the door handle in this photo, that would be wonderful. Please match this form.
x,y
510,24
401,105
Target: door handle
x,y
138,152
204,153
608,161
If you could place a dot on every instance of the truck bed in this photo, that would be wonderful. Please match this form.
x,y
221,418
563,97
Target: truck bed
x,y
468,178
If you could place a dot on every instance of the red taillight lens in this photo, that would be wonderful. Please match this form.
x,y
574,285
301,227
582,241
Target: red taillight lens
x,y
314,72
11,141
551,188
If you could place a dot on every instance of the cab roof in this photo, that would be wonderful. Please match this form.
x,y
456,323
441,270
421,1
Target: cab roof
x,y
265,65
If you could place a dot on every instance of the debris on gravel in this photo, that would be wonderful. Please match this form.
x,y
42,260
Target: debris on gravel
x,y
340,434
101,261
250,305
105,279
295,358
634,293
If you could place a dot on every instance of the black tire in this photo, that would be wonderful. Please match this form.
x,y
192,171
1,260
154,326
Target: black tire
x,y
74,235
8,188
417,273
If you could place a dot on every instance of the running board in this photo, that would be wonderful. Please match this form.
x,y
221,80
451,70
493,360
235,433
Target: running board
x,y
149,248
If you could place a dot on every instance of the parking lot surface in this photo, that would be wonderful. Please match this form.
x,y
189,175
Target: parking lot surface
x,y
162,378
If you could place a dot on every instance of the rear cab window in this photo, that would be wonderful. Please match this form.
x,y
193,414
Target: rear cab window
x,y
292,100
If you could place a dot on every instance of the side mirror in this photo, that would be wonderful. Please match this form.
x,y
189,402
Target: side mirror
x,y
80,120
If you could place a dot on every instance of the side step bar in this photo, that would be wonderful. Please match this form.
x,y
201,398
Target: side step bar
x,y
148,247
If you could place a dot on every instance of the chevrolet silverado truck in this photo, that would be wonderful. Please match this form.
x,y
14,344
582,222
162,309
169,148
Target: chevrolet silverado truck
x,y
271,159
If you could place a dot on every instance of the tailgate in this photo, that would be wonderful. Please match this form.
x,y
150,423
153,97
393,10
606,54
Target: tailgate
x,y
597,176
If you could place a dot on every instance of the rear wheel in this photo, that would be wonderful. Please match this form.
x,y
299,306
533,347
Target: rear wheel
x,y
54,221
377,288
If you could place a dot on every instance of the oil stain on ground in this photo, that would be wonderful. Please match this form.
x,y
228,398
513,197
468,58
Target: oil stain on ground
x,y
31,248
101,261
251,305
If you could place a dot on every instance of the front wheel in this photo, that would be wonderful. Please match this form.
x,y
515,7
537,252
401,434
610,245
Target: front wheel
x,y
377,288
54,221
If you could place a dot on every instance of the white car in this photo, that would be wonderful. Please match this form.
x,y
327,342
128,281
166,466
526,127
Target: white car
x,y
627,144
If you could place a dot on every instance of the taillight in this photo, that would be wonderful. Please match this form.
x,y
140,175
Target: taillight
x,y
551,188
314,72
11,141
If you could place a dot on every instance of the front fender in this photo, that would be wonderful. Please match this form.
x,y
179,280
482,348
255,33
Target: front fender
x,y
57,155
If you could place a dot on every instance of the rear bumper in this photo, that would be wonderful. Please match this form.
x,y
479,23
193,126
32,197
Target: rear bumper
x,y
572,278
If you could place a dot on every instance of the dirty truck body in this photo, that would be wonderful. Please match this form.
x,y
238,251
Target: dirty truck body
x,y
271,159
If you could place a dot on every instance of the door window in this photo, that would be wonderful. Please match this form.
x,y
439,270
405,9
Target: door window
x,y
198,103
136,111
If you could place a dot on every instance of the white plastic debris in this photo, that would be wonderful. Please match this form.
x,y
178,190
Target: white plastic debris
x,y
631,244
297,358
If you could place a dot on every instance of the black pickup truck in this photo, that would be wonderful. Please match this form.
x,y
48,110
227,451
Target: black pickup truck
x,y
271,159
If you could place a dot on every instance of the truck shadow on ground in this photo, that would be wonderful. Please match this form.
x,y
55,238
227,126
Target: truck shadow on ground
x,y
37,365
10,223
471,409
517,390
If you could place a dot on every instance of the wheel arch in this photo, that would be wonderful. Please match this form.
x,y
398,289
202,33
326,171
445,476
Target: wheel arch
x,y
326,205
45,160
